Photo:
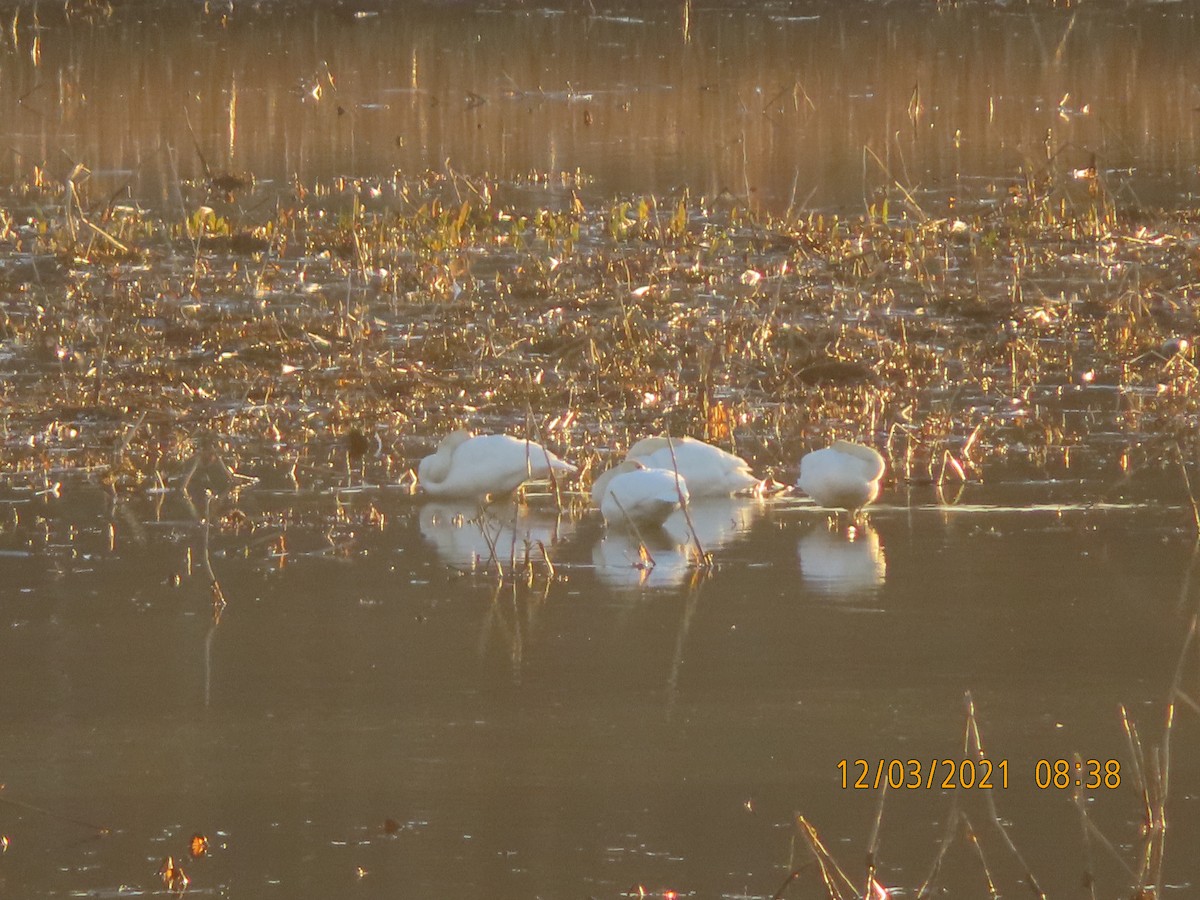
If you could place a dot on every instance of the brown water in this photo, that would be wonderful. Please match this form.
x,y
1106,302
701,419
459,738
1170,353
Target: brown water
x,y
578,738
788,104
613,727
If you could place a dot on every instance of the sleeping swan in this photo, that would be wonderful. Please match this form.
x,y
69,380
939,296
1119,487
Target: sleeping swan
x,y
708,470
632,494
842,476
467,466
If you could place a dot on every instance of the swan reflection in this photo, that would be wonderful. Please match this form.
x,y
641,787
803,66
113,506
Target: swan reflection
x,y
466,534
717,521
844,561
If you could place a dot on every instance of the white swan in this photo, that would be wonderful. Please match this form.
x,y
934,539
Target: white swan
x,y
708,470
843,476
467,465
634,494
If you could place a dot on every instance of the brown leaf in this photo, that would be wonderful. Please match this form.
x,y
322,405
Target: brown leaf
x,y
198,846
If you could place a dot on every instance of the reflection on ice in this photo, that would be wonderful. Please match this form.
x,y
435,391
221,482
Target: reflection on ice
x,y
475,536
844,561
717,521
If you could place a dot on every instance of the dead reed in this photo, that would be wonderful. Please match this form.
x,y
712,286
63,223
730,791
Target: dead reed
x,y
1033,326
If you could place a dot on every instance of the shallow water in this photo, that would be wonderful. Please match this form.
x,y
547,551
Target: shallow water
x,y
783,104
611,728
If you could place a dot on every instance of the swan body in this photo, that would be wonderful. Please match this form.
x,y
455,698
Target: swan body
x,y
708,470
634,494
842,476
467,465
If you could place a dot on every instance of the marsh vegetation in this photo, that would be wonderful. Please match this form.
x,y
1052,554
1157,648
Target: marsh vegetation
x,y
235,314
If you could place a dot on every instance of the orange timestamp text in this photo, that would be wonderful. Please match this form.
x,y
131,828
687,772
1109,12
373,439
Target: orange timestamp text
x,y
980,774
923,774
1089,774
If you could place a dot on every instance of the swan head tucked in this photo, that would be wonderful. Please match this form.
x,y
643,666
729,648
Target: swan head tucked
x,y
844,475
486,466
633,495
873,465
435,468
600,485
708,470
